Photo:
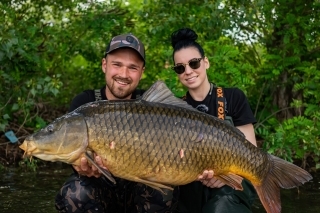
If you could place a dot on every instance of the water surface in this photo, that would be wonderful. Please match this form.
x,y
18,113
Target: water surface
x,y
25,192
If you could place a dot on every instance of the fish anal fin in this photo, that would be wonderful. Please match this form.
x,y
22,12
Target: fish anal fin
x,y
231,180
155,185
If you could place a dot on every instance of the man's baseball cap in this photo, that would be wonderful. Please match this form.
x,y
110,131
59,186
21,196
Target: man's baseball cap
x,y
126,40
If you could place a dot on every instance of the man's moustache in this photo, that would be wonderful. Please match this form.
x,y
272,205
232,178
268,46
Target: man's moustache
x,y
125,80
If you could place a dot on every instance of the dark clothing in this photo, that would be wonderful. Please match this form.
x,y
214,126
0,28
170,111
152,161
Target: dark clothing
x,y
197,198
237,105
82,194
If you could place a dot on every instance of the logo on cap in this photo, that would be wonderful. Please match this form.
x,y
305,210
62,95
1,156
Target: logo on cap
x,y
126,40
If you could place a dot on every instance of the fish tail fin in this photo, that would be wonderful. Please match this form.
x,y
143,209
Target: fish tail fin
x,y
281,174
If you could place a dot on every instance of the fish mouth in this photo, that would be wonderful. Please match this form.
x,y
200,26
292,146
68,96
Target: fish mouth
x,y
28,147
47,153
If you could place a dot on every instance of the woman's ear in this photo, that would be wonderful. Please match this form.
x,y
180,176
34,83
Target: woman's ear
x,y
206,62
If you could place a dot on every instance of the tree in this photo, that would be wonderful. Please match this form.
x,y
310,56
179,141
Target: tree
x,y
46,51
270,49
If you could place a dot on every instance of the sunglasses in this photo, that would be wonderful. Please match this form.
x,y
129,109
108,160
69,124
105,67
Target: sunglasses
x,y
193,64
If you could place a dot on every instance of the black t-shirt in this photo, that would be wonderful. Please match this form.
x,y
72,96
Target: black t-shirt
x,y
89,96
237,105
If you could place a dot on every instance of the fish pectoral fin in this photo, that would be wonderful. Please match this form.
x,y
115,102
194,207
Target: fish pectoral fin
x,y
103,171
231,180
158,186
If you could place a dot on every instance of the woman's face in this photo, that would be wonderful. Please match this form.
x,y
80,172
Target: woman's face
x,y
191,78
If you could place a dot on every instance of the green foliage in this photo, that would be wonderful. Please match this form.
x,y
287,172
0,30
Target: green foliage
x,y
229,68
21,99
2,168
172,81
50,51
29,164
296,138
45,48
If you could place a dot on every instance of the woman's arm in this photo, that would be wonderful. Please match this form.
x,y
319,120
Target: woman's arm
x,y
248,131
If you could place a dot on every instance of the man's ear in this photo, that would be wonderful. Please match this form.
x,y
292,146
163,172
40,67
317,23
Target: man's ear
x,y
104,65
142,72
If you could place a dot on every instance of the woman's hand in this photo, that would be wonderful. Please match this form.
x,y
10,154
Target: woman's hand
x,y
207,178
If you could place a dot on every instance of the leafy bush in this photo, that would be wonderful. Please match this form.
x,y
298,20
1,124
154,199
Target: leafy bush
x,y
46,50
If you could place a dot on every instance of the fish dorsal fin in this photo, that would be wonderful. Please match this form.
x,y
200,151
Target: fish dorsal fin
x,y
160,93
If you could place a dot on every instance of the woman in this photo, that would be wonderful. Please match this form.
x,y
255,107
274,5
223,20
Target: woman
x,y
210,194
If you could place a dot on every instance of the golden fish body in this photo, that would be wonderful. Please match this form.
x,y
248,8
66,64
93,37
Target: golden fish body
x,y
167,144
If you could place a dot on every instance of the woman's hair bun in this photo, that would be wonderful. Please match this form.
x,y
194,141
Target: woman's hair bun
x,y
183,34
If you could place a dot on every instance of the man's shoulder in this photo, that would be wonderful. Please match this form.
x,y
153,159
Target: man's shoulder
x,y
137,93
82,98
86,95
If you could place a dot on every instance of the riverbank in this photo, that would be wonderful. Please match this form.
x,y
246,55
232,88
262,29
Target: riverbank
x,y
10,153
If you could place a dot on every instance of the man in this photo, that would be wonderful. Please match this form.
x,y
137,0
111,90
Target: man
x,y
86,190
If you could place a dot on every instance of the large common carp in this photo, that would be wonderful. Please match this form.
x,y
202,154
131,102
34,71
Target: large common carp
x,y
160,140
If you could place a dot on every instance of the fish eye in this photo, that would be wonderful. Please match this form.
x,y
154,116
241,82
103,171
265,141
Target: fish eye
x,y
50,128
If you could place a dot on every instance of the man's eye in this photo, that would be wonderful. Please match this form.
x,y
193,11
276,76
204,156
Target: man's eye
x,y
133,68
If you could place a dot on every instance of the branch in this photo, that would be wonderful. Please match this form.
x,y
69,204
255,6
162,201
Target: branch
x,y
6,103
243,27
280,110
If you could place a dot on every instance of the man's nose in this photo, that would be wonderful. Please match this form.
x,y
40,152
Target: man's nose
x,y
124,71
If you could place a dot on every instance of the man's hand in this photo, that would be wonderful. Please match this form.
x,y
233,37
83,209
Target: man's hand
x,y
208,180
90,171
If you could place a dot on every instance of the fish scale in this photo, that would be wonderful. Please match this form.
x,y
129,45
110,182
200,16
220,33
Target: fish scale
x,y
161,141
159,144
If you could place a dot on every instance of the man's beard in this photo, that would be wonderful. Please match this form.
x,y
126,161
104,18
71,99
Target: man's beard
x,y
120,93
